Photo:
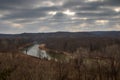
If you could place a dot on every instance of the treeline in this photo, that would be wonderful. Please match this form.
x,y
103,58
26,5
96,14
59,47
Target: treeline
x,y
94,58
71,44
13,44
82,67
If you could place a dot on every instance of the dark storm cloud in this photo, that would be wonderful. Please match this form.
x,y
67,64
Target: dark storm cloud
x,y
58,14
17,2
29,13
113,2
24,15
72,3
98,14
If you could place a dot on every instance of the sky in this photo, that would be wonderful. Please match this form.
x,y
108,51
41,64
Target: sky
x,y
33,16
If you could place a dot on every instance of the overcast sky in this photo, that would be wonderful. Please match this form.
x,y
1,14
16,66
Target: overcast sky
x,y
18,16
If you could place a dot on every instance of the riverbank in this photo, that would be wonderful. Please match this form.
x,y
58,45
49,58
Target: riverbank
x,y
42,52
44,47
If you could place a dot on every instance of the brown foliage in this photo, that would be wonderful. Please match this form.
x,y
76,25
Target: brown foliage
x,y
94,59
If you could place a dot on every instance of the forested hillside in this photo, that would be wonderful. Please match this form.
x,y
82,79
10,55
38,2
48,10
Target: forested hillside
x,y
91,57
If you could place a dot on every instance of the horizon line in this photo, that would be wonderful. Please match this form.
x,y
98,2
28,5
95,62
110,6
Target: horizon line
x,y
59,32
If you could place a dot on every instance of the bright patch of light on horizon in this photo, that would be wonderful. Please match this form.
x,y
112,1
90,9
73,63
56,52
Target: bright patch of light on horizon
x,y
76,18
101,22
117,26
43,28
94,0
79,27
68,12
117,9
15,25
52,12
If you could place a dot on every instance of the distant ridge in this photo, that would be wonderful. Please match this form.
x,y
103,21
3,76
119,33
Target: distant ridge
x,y
64,34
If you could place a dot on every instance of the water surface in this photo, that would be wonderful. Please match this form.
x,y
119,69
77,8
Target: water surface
x,y
36,52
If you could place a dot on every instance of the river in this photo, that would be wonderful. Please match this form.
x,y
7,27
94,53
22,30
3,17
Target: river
x,y
36,52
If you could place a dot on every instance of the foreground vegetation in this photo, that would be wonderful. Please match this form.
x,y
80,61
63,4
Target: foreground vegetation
x,y
92,59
